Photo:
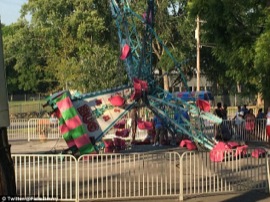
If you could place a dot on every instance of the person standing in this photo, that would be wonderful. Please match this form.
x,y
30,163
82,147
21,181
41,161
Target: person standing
x,y
225,112
245,110
238,122
134,119
268,125
237,113
250,124
218,110
260,114
260,122
158,131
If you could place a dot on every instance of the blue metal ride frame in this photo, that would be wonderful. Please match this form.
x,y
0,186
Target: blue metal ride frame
x,y
139,65
146,71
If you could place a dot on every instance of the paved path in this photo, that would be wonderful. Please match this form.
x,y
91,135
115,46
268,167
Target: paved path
x,y
252,196
56,146
37,147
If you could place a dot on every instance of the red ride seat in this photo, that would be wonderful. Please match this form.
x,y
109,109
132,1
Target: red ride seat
x,y
137,89
145,125
125,52
117,100
203,105
139,86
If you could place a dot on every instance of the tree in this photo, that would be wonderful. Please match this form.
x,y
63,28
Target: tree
x,y
233,27
25,59
74,33
171,27
262,62
10,61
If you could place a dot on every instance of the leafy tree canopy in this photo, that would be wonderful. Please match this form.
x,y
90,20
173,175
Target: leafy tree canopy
x,y
73,43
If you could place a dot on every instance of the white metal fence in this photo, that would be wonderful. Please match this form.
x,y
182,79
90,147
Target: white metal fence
x,y
33,129
46,176
139,175
246,131
18,129
237,172
43,129
268,173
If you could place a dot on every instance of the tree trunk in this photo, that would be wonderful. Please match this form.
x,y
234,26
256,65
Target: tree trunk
x,y
259,99
166,82
226,97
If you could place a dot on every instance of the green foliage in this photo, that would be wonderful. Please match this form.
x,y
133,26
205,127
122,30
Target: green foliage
x,y
233,28
67,43
262,62
73,43
23,58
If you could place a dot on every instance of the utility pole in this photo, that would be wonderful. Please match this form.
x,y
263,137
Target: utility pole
x,y
197,37
7,174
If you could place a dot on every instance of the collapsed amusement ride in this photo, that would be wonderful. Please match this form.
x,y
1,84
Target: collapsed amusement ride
x,y
85,119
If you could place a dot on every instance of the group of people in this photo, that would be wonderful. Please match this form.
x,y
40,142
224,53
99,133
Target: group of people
x,y
243,114
245,119
158,128
261,115
221,112
160,132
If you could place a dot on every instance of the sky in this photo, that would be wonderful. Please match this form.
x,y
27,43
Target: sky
x,y
10,10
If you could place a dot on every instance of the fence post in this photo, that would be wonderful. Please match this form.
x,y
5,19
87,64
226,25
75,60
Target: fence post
x,y
77,179
28,127
28,131
268,172
181,191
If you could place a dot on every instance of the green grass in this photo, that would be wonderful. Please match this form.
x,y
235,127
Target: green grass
x,y
16,107
12,103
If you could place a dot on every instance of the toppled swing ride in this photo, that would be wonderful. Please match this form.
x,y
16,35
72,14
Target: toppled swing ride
x,y
85,119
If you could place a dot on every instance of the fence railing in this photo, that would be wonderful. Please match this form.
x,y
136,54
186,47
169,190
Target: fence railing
x,y
239,171
18,129
268,174
125,176
43,129
140,175
27,110
36,110
253,131
46,176
34,129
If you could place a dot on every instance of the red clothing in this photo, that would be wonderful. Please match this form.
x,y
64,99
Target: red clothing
x,y
268,130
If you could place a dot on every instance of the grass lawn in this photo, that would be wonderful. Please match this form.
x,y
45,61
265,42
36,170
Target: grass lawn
x,y
16,107
12,103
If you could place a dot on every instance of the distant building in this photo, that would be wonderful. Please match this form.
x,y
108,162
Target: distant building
x,y
205,85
